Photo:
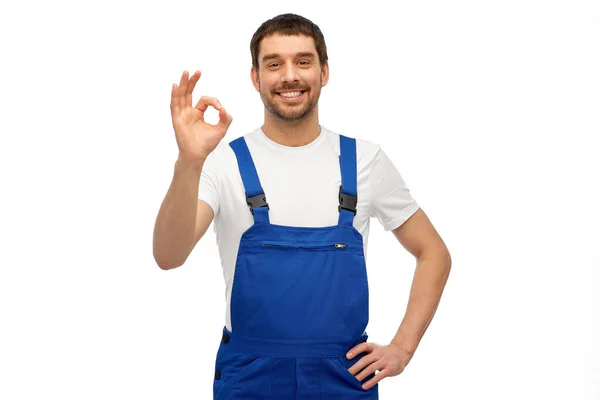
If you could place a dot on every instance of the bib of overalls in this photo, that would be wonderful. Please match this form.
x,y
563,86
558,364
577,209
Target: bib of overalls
x,y
299,301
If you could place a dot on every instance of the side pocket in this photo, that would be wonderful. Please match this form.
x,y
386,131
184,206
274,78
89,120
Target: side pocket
x,y
344,364
338,382
240,373
344,368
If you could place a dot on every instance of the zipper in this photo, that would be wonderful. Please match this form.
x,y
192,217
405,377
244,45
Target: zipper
x,y
304,245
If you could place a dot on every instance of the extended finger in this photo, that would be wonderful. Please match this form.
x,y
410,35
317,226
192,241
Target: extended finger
x,y
374,380
181,93
370,369
174,99
190,88
360,348
362,363
206,101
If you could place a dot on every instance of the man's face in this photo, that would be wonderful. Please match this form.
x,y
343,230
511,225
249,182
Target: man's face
x,y
289,76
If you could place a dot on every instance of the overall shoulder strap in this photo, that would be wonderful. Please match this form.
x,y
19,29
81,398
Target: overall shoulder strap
x,y
255,196
348,196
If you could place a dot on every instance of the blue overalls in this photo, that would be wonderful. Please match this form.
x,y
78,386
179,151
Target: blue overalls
x,y
299,301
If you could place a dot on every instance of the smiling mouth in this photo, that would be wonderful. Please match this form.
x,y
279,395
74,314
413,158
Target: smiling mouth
x,y
291,95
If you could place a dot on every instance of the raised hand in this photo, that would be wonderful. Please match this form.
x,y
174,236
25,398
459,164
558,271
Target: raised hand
x,y
196,138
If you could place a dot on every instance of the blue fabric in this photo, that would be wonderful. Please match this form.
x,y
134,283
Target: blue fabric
x,y
249,176
257,369
349,178
299,302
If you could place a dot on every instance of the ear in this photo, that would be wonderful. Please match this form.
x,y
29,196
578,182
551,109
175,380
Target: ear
x,y
325,74
255,78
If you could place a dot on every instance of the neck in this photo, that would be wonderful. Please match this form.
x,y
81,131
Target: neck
x,y
292,134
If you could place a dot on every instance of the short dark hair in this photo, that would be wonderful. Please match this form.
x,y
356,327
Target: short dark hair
x,y
288,24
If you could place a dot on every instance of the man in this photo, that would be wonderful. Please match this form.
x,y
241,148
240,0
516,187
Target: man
x,y
291,202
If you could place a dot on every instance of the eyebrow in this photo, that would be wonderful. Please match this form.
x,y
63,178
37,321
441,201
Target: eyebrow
x,y
272,56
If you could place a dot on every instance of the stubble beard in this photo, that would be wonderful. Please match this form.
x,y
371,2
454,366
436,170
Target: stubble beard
x,y
294,113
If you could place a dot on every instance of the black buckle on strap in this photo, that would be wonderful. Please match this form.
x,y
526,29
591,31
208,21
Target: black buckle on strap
x,y
347,202
259,200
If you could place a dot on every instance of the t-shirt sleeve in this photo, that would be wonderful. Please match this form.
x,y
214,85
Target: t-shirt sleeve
x,y
391,201
208,189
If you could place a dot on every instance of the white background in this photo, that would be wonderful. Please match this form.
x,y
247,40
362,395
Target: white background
x,y
484,107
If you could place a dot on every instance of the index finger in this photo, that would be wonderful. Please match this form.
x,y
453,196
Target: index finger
x,y
190,88
356,350
182,90
206,101
178,93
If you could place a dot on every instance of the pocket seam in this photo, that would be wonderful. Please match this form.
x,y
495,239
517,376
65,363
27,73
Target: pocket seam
x,y
232,380
348,373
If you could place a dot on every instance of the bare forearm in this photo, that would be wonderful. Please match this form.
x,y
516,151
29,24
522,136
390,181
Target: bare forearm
x,y
428,284
174,230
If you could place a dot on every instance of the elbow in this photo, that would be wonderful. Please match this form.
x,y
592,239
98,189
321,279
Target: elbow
x,y
440,253
447,264
166,257
443,254
165,264
446,259
440,256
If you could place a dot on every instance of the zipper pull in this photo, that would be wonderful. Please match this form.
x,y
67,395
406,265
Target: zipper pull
x,y
340,245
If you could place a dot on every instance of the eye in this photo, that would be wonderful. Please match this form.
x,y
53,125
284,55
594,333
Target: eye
x,y
304,62
273,65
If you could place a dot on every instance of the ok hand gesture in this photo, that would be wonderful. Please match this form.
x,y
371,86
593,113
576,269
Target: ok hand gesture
x,y
196,138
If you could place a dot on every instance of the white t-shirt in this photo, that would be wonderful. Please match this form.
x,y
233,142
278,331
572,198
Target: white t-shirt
x,y
301,185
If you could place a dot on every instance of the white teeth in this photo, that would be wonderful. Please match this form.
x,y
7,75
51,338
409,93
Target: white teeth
x,y
291,94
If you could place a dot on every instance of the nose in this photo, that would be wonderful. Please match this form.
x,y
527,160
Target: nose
x,y
290,73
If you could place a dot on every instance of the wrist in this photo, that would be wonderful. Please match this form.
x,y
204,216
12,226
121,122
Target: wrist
x,y
406,347
185,163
